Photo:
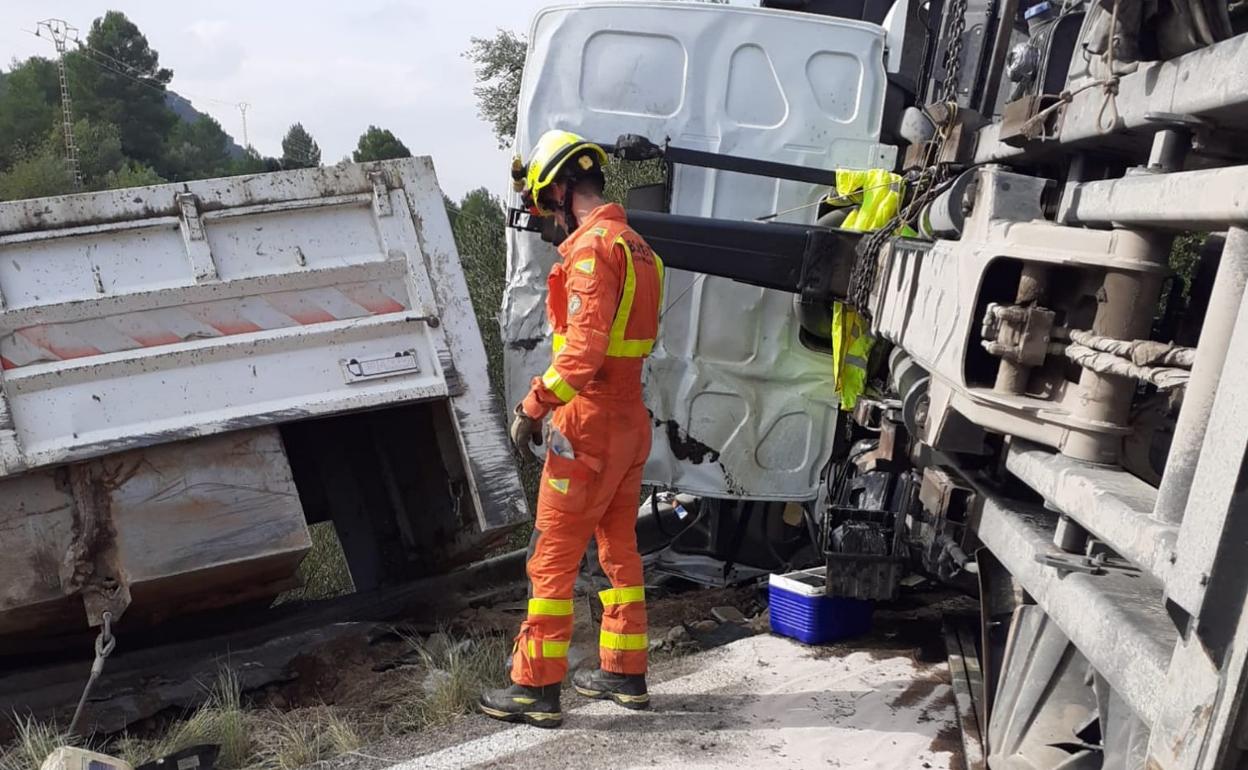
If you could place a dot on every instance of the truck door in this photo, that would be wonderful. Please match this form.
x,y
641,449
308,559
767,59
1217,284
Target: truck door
x,y
741,406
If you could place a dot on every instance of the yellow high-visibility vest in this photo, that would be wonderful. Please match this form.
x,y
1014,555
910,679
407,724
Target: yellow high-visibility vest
x,y
875,194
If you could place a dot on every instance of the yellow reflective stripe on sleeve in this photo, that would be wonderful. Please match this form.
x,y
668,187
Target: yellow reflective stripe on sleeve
x,y
554,607
609,640
555,384
624,595
558,342
550,649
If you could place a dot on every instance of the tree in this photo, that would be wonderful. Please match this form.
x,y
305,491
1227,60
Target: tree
x,y
196,150
117,78
99,150
452,210
479,224
39,174
251,162
379,144
131,174
499,64
29,107
299,149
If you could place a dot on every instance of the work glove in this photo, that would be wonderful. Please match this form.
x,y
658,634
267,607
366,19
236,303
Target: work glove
x,y
524,429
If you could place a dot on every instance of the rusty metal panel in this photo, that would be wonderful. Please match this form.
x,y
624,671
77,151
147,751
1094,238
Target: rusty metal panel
x,y
150,532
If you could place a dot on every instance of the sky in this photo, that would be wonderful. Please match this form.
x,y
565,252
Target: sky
x,y
334,66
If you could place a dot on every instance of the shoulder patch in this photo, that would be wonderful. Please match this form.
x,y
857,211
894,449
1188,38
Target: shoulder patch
x,y
601,232
585,265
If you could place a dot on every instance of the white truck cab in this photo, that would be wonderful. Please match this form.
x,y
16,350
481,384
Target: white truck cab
x,y
742,406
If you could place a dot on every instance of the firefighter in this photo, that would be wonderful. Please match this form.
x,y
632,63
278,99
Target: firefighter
x,y
602,302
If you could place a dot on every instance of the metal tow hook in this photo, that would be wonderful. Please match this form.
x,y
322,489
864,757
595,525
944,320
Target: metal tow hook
x,y
104,645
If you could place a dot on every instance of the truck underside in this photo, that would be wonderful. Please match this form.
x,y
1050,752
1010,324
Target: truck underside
x,y
1056,420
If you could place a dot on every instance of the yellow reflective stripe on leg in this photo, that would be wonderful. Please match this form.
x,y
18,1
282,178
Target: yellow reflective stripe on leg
x,y
625,595
555,384
558,342
609,640
550,649
554,607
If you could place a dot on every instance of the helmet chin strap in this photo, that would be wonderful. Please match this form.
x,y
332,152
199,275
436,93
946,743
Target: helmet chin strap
x,y
568,216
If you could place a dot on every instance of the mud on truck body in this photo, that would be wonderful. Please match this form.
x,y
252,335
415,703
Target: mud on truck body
x,y
194,373
1058,422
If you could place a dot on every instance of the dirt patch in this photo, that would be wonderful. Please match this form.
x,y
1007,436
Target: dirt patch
x,y
349,672
689,606
662,611
500,619
911,626
949,739
918,691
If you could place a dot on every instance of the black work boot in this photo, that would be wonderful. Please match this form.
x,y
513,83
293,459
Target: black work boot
x,y
628,690
538,706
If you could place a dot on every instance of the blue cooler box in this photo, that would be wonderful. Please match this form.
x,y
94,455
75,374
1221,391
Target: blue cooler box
x,y
801,609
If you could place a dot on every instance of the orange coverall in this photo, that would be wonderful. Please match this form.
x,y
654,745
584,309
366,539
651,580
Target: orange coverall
x,y
603,304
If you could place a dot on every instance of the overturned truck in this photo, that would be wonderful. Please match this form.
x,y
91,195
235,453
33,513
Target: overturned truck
x,y
1057,421
195,373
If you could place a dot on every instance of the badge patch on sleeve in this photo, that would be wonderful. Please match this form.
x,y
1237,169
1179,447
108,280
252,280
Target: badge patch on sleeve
x,y
574,305
559,485
586,266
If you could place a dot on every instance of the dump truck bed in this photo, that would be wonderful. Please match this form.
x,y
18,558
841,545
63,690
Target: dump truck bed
x,y
135,321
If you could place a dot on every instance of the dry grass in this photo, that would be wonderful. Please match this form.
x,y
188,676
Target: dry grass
x,y
324,570
34,742
453,674
290,740
221,720
270,740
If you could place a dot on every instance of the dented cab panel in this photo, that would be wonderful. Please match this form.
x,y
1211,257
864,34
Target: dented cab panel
x,y
741,406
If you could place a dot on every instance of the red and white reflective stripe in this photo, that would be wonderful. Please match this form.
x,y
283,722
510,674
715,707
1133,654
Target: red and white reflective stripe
x,y
205,320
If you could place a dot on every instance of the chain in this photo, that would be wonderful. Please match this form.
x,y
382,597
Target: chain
x,y
953,51
862,277
924,188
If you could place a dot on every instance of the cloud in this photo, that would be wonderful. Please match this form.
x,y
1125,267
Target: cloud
x,y
209,31
396,13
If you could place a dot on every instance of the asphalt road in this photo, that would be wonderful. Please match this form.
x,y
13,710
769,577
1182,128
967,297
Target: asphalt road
x,y
763,701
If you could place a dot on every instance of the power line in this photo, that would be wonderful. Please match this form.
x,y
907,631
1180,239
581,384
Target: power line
x,y
143,78
242,109
60,31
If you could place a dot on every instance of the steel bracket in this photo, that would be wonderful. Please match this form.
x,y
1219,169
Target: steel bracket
x,y
195,237
1097,564
381,193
